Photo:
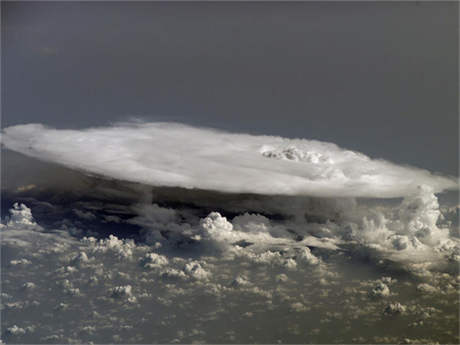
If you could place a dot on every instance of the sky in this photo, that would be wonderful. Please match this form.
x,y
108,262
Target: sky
x,y
380,77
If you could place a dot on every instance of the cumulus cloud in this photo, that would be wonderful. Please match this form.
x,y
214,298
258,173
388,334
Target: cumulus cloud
x,y
120,248
404,237
143,293
15,330
21,216
20,262
195,270
166,154
257,226
394,308
154,260
427,288
121,291
380,290
301,252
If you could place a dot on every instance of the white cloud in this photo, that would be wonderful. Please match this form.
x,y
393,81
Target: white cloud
x,y
69,289
80,259
240,281
121,291
20,262
218,229
409,232
380,290
120,248
277,273
307,257
395,308
427,288
28,286
174,301
281,278
299,307
195,270
251,223
166,154
21,217
15,330
154,260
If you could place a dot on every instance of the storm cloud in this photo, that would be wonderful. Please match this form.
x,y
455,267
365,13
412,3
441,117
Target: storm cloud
x,y
176,155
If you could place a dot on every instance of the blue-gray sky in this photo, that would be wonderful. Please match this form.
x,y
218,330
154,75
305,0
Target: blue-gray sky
x,y
379,77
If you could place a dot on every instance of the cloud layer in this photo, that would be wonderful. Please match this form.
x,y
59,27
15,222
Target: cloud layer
x,y
113,290
174,155
173,265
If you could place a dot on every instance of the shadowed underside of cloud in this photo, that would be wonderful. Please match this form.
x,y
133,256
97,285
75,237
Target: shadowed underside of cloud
x,y
175,155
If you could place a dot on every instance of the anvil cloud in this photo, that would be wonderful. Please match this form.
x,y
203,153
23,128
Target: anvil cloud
x,y
176,155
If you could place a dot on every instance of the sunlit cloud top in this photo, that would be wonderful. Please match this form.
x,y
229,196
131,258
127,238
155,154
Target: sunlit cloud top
x,y
176,155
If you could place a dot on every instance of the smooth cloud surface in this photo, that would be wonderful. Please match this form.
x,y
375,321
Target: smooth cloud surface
x,y
168,154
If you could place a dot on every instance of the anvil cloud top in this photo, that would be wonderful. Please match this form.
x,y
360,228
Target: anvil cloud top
x,y
170,154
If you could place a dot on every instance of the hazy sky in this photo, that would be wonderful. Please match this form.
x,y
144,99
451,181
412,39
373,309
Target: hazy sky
x,y
380,78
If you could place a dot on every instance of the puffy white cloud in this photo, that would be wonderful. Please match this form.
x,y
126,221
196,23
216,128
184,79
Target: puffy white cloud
x,y
173,273
120,248
420,210
121,291
69,289
62,306
281,278
294,154
255,238
299,307
306,256
388,280
240,281
154,260
394,308
251,223
15,330
166,154
80,259
28,286
427,288
21,217
88,329
20,262
271,258
195,270
401,242
380,290
217,227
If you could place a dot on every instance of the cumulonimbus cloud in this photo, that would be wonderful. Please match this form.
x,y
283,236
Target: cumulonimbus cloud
x,y
171,154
